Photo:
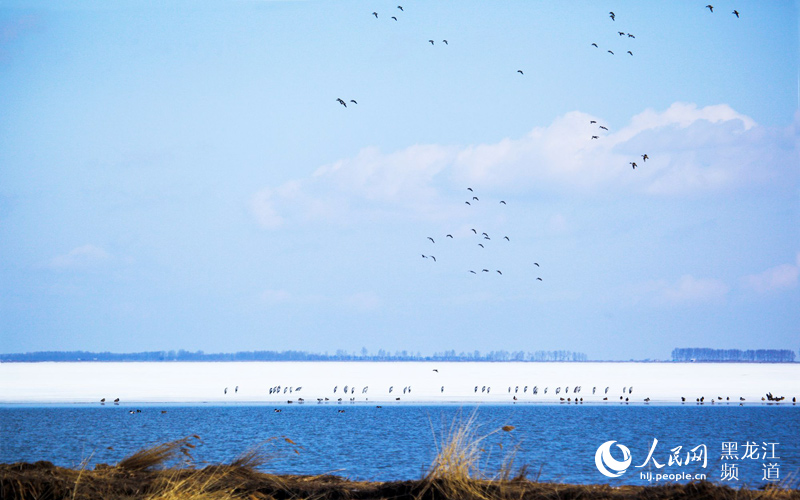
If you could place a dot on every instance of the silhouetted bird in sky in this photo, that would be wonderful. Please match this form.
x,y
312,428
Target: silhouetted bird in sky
x,y
449,236
474,231
498,272
394,18
710,7
502,202
340,101
611,15
445,42
473,272
400,7
604,128
595,137
631,36
475,198
481,245
434,258
633,164
593,121
536,264
645,157
375,14
484,270
353,101
468,203
506,238
594,45
469,189
629,52
431,41
621,33
431,239
539,279
610,52
520,72
736,12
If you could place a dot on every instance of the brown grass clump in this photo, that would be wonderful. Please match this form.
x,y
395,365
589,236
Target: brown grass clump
x,y
458,470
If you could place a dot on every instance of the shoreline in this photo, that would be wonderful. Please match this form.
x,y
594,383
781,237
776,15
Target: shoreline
x,y
413,382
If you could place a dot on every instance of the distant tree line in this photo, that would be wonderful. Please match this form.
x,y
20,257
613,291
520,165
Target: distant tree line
x,y
340,355
755,356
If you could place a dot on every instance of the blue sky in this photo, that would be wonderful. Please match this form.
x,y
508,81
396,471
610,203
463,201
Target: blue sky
x,y
180,176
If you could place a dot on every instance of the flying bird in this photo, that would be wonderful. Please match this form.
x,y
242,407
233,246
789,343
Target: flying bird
x,y
473,272
611,15
375,14
394,18
502,202
353,101
424,257
629,52
539,279
469,189
610,52
484,270
431,41
474,231
631,36
449,236
736,12
536,264
468,203
645,157
594,45
481,245
595,137
710,7
604,128
400,7
498,272
485,234
520,72
445,42
434,258
506,238
431,239
340,101
475,198
621,33
633,164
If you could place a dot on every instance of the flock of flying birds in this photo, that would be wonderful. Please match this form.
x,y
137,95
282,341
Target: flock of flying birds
x,y
484,235
482,238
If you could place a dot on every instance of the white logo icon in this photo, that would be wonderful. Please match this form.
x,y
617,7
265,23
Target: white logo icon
x,y
607,465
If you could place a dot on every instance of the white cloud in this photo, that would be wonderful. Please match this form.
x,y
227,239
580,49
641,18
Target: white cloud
x,y
686,290
275,296
778,278
81,257
691,150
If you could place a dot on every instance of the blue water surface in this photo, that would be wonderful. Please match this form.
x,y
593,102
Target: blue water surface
x,y
397,442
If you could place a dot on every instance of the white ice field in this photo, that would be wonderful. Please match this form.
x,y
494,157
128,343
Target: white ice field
x,y
385,382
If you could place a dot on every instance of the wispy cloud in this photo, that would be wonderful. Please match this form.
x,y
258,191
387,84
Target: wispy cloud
x,y
358,301
690,151
686,290
774,279
82,257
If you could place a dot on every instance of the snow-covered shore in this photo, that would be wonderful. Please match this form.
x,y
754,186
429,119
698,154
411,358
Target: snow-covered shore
x,y
423,382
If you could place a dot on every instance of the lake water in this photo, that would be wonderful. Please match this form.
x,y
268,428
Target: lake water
x,y
741,445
